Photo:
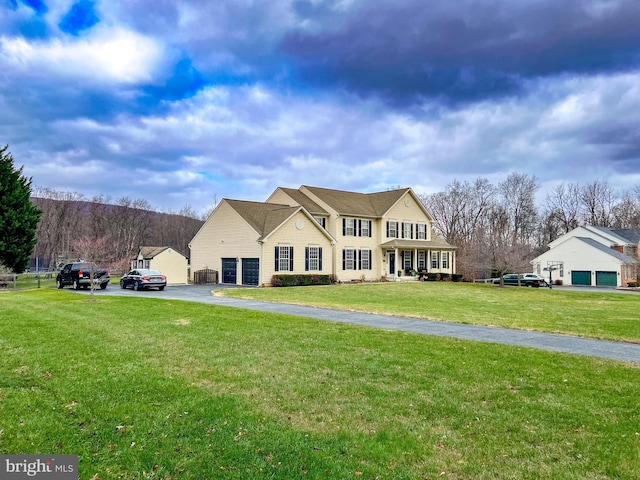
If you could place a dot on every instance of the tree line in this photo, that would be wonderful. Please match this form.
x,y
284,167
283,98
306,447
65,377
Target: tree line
x,y
499,227
69,222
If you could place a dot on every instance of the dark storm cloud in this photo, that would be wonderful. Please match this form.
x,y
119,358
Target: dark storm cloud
x,y
465,50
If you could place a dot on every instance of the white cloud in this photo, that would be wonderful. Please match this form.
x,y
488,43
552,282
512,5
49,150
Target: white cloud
x,y
107,55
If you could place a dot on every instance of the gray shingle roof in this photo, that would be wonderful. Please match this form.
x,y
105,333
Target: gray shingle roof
x,y
264,218
301,199
358,204
624,236
149,252
608,250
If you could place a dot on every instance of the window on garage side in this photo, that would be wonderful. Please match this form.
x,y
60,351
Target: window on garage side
x,y
313,258
284,258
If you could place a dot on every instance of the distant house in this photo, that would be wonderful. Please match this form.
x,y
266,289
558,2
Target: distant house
x,y
314,230
591,255
165,259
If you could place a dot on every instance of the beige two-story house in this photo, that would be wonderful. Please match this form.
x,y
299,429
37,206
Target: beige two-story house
x,y
354,236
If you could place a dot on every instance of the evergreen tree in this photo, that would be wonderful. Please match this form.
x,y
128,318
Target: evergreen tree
x,y
18,216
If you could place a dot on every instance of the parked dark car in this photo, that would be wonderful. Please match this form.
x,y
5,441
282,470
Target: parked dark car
x,y
525,280
78,274
141,278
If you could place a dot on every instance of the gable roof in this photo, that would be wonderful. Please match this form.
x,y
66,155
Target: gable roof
x,y
263,217
608,250
148,253
358,204
624,236
301,199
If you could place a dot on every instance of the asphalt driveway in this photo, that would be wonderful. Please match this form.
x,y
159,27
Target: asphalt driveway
x,y
622,351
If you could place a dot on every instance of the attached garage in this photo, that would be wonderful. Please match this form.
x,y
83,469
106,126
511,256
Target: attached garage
x,y
580,277
606,279
250,271
229,267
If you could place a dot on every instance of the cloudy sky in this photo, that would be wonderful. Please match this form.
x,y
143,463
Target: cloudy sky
x,y
183,101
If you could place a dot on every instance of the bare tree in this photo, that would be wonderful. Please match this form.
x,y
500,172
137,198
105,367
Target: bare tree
x,y
61,220
597,199
93,250
626,213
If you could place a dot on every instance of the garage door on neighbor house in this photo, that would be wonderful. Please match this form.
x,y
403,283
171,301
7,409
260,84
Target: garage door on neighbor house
x,y
606,279
229,269
581,277
250,271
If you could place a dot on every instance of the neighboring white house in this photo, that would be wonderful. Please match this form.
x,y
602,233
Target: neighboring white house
x,y
591,255
170,262
311,230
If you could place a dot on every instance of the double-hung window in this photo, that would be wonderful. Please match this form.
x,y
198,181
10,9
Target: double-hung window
x,y
284,258
421,231
365,259
349,258
392,229
445,259
407,260
349,227
422,260
365,228
313,258
407,230
435,259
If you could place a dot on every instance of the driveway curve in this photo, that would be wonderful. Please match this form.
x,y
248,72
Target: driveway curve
x,y
622,351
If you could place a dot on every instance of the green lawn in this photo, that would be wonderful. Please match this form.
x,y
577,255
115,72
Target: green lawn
x,y
605,315
142,388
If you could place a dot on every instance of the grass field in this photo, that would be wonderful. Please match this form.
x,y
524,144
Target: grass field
x,y
143,388
604,315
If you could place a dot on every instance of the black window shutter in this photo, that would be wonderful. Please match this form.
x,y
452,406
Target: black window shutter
x,y
359,228
319,258
306,259
387,228
370,225
291,259
412,231
277,258
344,259
359,259
344,227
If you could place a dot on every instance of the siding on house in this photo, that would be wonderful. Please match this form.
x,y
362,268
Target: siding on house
x,y
170,262
311,217
595,250
224,235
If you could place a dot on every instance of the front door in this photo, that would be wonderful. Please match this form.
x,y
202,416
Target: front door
x,y
229,266
391,261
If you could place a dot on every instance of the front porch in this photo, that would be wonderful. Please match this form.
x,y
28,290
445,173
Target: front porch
x,y
413,260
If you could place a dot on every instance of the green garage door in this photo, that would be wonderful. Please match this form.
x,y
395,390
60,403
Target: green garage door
x,y
250,271
580,277
606,279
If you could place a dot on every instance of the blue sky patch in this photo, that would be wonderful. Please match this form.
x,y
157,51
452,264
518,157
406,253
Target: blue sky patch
x,y
38,5
80,17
